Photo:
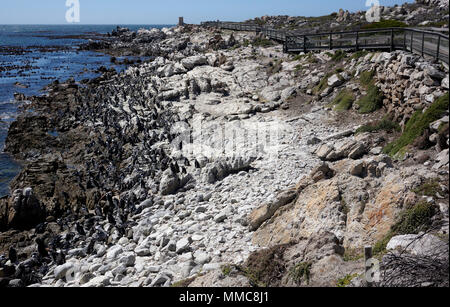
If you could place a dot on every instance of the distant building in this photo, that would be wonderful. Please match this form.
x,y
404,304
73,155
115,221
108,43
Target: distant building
x,y
181,21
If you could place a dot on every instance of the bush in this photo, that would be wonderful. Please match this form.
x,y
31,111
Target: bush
x,y
383,125
411,221
262,42
343,101
415,220
429,188
384,24
417,125
338,55
344,282
265,268
372,101
359,54
300,271
322,85
366,78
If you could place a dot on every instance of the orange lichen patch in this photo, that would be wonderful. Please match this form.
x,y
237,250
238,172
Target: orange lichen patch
x,y
382,212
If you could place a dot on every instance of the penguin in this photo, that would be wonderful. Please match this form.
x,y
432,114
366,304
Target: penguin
x,y
12,255
80,229
42,249
197,165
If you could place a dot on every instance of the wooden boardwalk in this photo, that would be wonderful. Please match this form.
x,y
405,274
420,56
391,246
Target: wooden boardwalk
x,y
418,41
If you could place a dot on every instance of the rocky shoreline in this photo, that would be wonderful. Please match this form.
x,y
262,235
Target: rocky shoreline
x,y
114,192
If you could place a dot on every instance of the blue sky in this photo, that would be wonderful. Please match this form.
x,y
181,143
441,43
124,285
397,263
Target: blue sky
x,y
167,11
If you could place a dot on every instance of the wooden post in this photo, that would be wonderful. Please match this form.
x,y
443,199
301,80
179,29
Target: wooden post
x,y
181,21
438,47
357,40
404,40
412,39
423,43
392,40
367,257
304,43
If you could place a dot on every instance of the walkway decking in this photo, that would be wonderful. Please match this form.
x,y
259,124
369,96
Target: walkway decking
x,y
418,41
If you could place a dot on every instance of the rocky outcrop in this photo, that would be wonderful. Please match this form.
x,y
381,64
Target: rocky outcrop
x,y
22,211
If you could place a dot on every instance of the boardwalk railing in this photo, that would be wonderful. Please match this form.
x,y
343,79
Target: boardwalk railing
x,y
430,43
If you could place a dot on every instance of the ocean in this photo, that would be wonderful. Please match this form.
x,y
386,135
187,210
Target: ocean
x,y
36,55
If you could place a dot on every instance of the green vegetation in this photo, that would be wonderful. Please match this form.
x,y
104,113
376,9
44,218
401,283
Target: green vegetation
x,y
380,247
226,270
339,70
429,188
183,283
265,268
298,57
343,101
372,101
414,220
366,77
338,55
262,42
322,85
384,125
298,68
418,123
300,271
411,221
344,282
352,255
384,24
359,54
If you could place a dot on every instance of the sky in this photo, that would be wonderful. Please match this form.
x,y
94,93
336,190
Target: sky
x,y
168,11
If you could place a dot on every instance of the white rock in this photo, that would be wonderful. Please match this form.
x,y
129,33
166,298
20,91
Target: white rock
x,y
128,260
113,252
183,245
61,271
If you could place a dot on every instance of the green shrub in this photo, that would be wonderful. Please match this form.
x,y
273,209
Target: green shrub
x,y
300,271
359,54
344,282
384,125
384,24
372,101
322,85
429,188
352,255
343,101
265,268
415,220
380,247
411,221
418,123
298,57
226,270
366,78
338,55
262,42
